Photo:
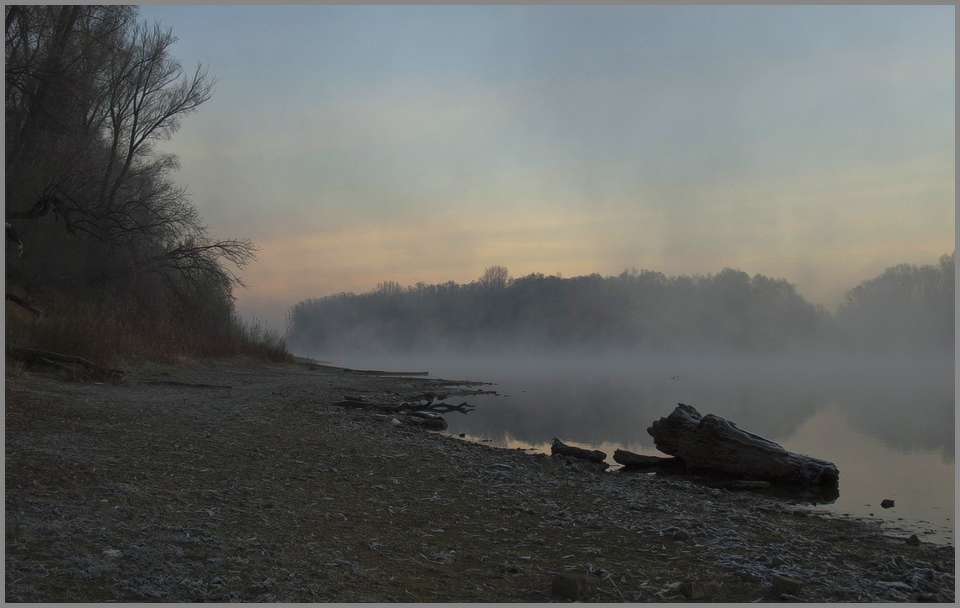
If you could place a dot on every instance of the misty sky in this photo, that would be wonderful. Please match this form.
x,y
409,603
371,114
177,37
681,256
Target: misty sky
x,y
358,144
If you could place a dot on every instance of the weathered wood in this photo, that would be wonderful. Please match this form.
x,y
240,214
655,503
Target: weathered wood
x,y
363,372
184,384
93,371
629,460
419,414
383,407
441,407
427,420
716,445
563,449
444,408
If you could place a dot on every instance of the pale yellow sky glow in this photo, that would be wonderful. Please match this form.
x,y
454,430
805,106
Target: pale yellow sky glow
x,y
761,238
356,145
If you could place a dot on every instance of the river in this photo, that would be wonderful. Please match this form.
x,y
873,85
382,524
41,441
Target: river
x,y
886,422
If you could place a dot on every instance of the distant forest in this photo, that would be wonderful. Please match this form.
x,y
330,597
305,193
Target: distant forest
x,y
905,309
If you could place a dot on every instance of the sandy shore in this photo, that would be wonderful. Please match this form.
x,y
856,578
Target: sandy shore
x,y
227,481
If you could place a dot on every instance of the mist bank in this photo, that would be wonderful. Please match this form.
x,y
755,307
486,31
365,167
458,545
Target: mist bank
x,y
611,397
906,309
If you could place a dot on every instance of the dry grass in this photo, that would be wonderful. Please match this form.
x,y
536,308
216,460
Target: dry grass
x,y
108,333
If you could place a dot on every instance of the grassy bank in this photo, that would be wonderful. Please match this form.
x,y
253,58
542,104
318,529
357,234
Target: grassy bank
x,y
110,332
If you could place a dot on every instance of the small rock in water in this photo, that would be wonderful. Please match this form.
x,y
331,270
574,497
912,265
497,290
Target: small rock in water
x,y
914,540
575,586
786,584
776,562
698,590
886,503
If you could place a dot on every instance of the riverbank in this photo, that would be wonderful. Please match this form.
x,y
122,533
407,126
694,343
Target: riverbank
x,y
222,481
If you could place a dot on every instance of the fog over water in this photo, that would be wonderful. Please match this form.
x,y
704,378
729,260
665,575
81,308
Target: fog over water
x,y
908,403
886,421
594,361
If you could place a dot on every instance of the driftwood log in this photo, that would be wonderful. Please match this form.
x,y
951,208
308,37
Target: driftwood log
x,y
427,420
629,460
424,414
712,444
399,408
362,372
563,449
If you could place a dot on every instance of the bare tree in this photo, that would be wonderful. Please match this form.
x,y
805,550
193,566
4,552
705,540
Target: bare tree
x,y
89,92
495,277
149,95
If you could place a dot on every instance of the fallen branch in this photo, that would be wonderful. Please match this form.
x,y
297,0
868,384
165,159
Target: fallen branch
x,y
37,354
184,384
24,304
363,372
396,408
383,407
444,408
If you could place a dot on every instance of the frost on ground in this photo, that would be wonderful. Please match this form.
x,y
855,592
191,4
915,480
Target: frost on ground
x,y
224,481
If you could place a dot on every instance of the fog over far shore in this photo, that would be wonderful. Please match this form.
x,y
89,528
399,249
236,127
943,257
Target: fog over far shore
x,y
906,309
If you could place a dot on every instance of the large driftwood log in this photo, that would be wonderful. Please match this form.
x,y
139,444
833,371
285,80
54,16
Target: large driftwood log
x,y
716,445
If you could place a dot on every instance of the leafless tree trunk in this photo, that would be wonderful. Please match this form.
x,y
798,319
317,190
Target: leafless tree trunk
x,y
89,93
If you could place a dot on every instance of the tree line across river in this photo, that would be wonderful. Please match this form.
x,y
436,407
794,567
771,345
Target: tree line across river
x,y
906,309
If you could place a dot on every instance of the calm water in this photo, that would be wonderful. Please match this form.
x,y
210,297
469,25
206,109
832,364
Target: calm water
x,y
888,424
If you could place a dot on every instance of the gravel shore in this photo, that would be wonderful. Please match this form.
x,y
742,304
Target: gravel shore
x,y
239,481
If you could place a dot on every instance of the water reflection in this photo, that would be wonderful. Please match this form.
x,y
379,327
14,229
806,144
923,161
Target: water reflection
x,y
909,407
888,424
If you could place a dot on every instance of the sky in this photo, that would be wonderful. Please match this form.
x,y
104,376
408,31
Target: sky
x,y
361,144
